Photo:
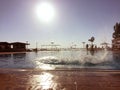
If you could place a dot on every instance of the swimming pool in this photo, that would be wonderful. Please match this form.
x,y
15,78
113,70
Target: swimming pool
x,y
48,60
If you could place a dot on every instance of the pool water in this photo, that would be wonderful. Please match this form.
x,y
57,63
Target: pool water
x,y
62,60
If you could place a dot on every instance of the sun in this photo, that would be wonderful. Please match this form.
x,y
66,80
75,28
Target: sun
x,y
45,11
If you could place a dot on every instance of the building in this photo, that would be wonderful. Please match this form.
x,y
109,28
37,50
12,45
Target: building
x,y
5,47
116,44
13,47
19,46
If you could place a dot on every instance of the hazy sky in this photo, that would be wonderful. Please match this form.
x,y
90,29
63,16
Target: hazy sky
x,y
75,21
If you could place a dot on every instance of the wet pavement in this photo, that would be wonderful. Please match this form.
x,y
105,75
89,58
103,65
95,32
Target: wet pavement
x,y
82,79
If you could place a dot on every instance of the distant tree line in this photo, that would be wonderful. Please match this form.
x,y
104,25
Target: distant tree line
x,y
116,33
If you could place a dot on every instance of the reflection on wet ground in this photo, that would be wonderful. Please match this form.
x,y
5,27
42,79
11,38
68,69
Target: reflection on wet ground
x,y
82,79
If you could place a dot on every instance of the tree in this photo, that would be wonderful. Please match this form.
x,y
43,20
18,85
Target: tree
x,y
116,33
91,39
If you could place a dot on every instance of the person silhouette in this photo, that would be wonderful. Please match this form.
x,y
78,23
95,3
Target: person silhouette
x,y
87,46
92,49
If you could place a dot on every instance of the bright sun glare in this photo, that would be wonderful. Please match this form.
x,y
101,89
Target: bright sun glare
x,y
45,11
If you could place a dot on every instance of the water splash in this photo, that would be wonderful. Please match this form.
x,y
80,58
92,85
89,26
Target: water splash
x,y
63,59
78,60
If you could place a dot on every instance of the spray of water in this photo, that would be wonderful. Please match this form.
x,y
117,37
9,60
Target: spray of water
x,y
78,59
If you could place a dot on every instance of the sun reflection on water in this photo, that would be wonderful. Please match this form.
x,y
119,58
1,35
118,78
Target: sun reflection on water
x,y
40,63
44,66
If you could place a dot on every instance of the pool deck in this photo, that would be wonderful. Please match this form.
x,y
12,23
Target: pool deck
x,y
77,79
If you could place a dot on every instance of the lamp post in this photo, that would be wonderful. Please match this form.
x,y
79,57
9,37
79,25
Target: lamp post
x,y
83,44
26,45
